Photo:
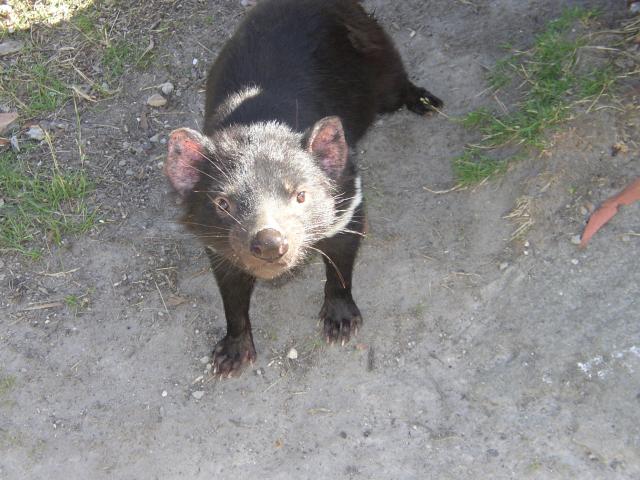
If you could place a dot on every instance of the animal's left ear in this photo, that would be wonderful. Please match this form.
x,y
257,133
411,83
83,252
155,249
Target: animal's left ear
x,y
326,142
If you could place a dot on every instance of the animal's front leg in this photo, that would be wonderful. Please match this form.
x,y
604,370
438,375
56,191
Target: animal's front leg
x,y
339,312
236,349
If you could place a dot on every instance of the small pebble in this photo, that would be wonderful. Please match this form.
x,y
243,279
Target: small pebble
x,y
129,172
122,163
156,100
155,138
527,244
164,393
626,238
576,239
293,354
575,261
166,88
198,395
36,133
504,266
259,372
195,62
204,360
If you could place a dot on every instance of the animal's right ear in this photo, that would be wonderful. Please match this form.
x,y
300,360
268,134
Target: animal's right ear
x,y
186,159
327,143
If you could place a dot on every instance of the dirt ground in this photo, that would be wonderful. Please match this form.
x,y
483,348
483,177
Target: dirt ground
x,y
480,357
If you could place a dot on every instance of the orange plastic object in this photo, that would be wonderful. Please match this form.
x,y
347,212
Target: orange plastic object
x,y
608,210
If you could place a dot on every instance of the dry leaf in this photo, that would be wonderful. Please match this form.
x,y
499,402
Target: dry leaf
x,y
6,119
175,300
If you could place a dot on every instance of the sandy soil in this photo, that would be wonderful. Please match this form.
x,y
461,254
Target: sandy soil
x,y
479,358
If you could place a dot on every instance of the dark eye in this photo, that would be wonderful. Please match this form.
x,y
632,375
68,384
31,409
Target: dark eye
x,y
302,196
222,203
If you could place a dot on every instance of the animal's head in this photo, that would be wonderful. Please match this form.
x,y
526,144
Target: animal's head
x,y
259,195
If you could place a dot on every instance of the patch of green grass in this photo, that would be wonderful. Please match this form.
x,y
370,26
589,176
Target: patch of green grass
x,y
77,303
473,166
45,91
122,55
72,301
38,79
40,203
33,84
22,14
116,58
551,85
85,23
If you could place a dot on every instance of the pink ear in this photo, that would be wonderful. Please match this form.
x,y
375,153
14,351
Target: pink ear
x,y
185,160
327,143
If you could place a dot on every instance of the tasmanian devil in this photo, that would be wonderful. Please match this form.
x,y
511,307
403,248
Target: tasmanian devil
x,y
271,179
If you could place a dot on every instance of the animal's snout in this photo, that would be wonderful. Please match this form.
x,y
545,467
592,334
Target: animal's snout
x,y
269,244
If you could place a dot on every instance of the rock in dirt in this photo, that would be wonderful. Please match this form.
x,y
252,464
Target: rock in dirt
x,y
576,239
36,132
166,88
156,100
10,46
15,145
293,354
198,395
6,121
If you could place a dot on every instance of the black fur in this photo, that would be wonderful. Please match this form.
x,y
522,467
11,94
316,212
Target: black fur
x,y
307,60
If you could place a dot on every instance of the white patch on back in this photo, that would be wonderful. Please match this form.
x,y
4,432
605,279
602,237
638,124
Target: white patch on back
x,y
234,100
343,220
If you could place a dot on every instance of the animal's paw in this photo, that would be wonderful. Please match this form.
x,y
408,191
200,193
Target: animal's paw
x,y
422,101
341,319
232,354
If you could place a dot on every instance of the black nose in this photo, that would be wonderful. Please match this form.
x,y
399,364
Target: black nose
x,y
269,244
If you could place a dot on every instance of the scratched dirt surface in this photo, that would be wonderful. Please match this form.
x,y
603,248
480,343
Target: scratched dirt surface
x,y
480,357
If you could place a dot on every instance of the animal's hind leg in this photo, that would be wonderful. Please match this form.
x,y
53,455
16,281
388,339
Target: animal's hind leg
x,y
420,100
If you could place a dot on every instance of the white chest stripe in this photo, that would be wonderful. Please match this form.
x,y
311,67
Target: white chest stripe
x,y
343,220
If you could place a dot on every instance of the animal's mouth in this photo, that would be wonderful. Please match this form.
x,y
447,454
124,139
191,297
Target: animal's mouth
x,y
265,269
268,270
